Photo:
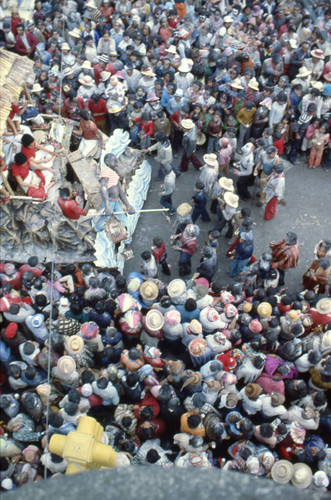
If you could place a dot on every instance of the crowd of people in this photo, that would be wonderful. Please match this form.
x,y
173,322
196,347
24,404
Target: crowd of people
x,y
191,373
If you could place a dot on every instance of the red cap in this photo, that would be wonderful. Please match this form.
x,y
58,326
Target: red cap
x,y
11,330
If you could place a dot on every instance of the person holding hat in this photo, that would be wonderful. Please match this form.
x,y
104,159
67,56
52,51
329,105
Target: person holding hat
x,y
189,146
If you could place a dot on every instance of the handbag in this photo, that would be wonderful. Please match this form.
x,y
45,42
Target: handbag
x,y
115,230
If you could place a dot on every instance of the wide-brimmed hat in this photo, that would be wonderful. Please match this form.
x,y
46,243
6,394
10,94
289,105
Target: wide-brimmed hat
x,y
226,184
187,123
227,19
197,347
247,307
282,471
253,84
211,159
184,209
86,65
231,199
236,84
317,85
105,75
149,290
74,344
37,88
277,399
147,72
172,49
66,365
201,138
154,320
303,71
89,330
318,53
264,310
294,315
323,306
67,72
152,97
176,288
75,33
253,391
302,476
116,108
184,67
194,378
65,46
86,80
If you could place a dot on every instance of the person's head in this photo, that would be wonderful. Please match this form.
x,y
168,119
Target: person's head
x,y
20,159
85,114
312,109
146,255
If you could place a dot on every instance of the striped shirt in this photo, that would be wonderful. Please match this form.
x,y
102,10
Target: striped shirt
x,y
111,175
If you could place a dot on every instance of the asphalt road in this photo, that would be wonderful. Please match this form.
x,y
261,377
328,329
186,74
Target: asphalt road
x,y
307,213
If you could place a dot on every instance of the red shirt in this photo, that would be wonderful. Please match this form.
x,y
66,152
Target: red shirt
x,y
159,252
70,208
29,152
100,107
279,145
20,170
98,70
90,131
14,111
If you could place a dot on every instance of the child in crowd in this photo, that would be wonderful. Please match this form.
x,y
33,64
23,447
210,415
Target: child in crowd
x,y
160,254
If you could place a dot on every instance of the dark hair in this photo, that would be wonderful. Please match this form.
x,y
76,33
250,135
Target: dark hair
x,y
152,456
146,255
85,114
27,139
70,408
194,421
190,305
147,413
266,430
20,158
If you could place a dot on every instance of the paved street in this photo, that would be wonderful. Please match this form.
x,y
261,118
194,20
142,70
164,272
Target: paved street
x,y
307,213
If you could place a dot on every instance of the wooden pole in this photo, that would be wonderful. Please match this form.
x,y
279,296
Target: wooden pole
x,y
6,183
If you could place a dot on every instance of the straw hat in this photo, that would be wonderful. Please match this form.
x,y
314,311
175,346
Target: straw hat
x,y
171,49
231,199
86,65
149,290
226,183
105,75
294,315
227,19
317,85
75,33
65,46
37,88
176,288
184,67
247,307
201,138
253,84
66,365
187,123
253,391
302,476
264,309
67,72
86,80
282,471
277,399
148,72
211,159
303,71
197,347
323,306
154,320
116,108
319,54
194,378
236,84
184,209
74,344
